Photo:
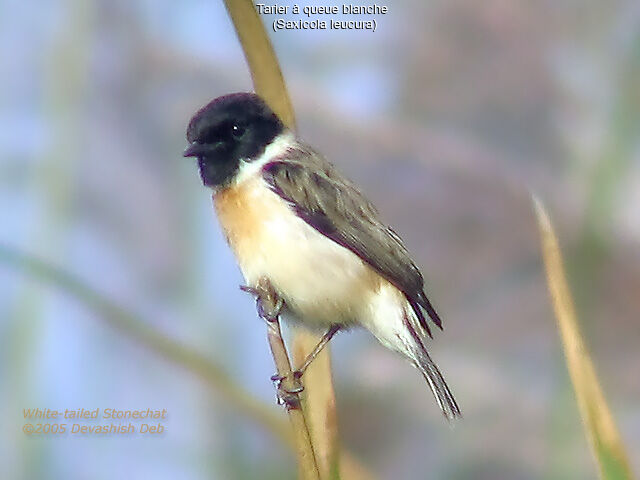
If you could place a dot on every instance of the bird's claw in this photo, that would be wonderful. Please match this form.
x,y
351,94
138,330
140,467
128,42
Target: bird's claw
x,y
268,302
251,290
270,313
288,395
290,400
296,387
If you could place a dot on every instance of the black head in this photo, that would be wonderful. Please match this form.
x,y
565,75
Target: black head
x,y
229,129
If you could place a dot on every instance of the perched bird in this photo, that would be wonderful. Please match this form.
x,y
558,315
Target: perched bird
x,y
290,217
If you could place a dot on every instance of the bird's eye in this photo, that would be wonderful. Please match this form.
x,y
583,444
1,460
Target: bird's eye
x,y
237,131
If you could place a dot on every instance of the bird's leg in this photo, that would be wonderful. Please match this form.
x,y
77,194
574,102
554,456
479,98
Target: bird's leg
x,y
269,305
328,335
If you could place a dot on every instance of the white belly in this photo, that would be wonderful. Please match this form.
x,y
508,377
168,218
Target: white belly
x,y
321,282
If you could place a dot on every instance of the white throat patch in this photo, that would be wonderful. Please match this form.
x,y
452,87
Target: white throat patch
x,y
278,146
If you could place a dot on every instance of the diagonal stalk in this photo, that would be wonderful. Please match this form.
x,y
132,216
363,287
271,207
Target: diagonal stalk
x,y
599,425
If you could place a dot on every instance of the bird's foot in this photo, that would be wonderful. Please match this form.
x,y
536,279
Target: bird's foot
x,y
297,386
288,389
268,302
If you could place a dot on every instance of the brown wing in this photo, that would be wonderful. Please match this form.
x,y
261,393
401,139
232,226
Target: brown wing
x,y
335,207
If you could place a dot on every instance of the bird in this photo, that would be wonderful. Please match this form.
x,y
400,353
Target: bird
x,y
291,217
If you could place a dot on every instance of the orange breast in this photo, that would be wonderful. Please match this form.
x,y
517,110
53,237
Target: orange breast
x,y
240,217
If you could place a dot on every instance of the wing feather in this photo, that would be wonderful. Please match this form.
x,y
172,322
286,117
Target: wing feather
x,y
335,207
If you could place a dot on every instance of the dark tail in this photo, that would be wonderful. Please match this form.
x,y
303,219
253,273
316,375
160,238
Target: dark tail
x,y
423,362
439,387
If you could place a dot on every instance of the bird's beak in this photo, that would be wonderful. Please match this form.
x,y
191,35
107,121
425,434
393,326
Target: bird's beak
x,y
193,150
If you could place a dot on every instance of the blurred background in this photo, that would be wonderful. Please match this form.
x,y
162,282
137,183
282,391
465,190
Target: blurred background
x,y
449,116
